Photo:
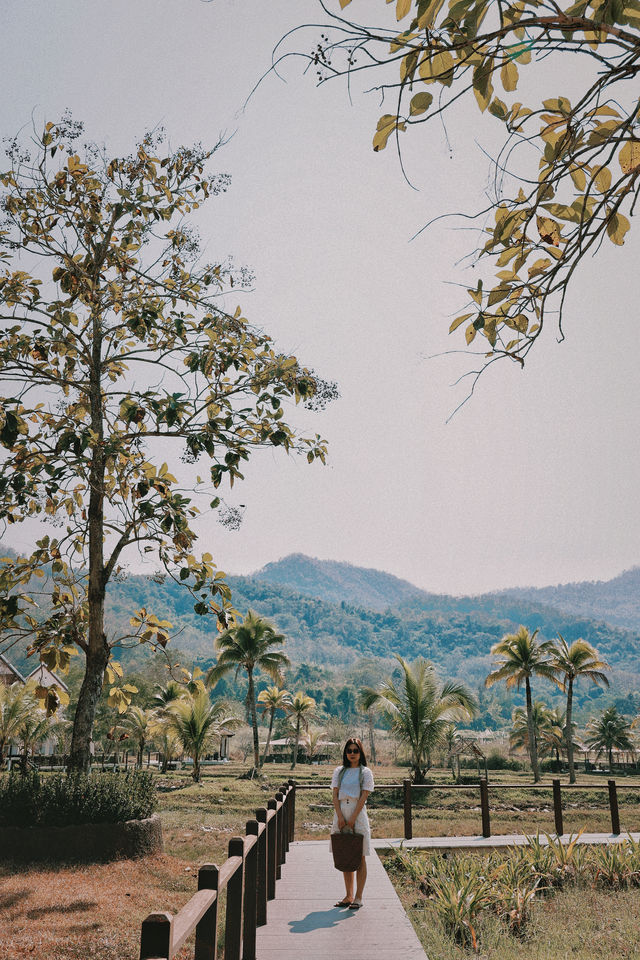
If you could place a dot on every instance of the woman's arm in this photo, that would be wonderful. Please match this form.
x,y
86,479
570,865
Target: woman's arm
x,y
359,805
336,807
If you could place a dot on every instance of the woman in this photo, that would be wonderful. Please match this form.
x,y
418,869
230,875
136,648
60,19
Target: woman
x,y
351,784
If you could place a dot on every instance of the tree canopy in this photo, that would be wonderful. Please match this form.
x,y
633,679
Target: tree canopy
x,y
567,177
118,359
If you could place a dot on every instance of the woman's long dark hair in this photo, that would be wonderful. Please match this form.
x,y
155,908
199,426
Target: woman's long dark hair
x,y
358,743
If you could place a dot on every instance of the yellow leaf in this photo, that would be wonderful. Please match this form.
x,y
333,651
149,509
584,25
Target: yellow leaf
x,y
578,177
539,266
344,3
602,178
509,76
456,323
629,156
470,333
549,230
386,126
617,226
402,8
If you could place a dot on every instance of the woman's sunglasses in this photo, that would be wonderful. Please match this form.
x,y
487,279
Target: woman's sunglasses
x,y
354,750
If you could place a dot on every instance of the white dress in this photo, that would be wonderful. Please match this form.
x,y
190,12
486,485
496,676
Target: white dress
x,y
348,797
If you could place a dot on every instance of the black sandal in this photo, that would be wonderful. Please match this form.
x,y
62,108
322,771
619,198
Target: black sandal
x,y
343,903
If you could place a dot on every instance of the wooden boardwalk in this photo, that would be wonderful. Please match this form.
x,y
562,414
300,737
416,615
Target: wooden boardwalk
x,y
302,922
498,840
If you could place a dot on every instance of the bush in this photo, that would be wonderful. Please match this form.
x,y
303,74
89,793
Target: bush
x,y
496,761
59,800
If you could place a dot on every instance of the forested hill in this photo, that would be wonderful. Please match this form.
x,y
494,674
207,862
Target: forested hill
x,y
617,600
455,632
337,582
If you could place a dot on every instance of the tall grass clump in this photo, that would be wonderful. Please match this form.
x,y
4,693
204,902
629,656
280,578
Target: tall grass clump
x,y
465,887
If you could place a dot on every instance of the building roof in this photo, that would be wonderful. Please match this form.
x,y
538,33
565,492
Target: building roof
x,y
8,673
46,677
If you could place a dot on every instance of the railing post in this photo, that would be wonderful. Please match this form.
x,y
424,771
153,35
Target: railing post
x,y
408,827
155,937
484,806
235,897
613,804
261,882
284,790
272,850
292,811
250,896
280,834
557,807
207,930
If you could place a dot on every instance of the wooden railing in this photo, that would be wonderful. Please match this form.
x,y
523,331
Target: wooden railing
x,y
409,789
248,875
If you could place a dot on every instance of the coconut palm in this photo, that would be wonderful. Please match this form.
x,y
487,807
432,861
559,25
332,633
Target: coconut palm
x,y
162,728
16,704
608,732
547,731
140,723
249,646
419,708
301,711
365,697
311,741
520,657
572,662
34,728
271,700
196,722
171,692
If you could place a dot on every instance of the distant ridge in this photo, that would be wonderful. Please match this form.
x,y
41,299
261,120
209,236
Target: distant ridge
x,y
338,582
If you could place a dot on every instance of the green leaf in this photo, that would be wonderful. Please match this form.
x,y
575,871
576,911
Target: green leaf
x,y
420,103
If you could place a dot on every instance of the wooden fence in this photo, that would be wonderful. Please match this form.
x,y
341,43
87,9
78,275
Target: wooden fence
x,y
249,877
410,789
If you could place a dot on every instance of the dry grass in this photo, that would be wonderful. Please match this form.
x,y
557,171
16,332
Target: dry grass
x,y
95,911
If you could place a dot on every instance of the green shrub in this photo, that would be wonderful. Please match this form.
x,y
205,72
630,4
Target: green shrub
x,y
60,800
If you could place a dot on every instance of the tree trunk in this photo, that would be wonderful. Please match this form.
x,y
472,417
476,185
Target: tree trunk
x,y
97,653
533,747
266,746
294,759
251,694
568,738
372,742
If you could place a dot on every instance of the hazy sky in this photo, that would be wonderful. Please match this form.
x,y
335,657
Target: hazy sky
x,y
532,482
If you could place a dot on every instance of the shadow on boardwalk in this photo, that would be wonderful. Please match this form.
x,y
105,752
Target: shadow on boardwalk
x,y
303,923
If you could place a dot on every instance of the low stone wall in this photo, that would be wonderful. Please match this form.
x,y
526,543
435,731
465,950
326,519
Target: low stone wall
x,y
83,842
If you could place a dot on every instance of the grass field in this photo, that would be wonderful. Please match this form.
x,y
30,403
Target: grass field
x,y
95,911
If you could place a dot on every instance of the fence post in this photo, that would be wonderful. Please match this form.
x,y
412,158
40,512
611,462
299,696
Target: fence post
x,y
292,811
261,882
250,896
613,804
484,806
557,807
285,821
272,850
408,828
280,834
207,930
235,897
155,937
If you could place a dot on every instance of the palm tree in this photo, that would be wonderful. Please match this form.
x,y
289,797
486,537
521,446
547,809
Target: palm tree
x,y
16,703
162,728
311,741
520,657
607,732
547,731
301,710
272,699
34,728
196,721
571,662
249,646
420,708
364,697
140,723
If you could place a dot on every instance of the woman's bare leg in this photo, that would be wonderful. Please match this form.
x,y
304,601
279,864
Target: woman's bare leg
x,y
361,876
348,885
